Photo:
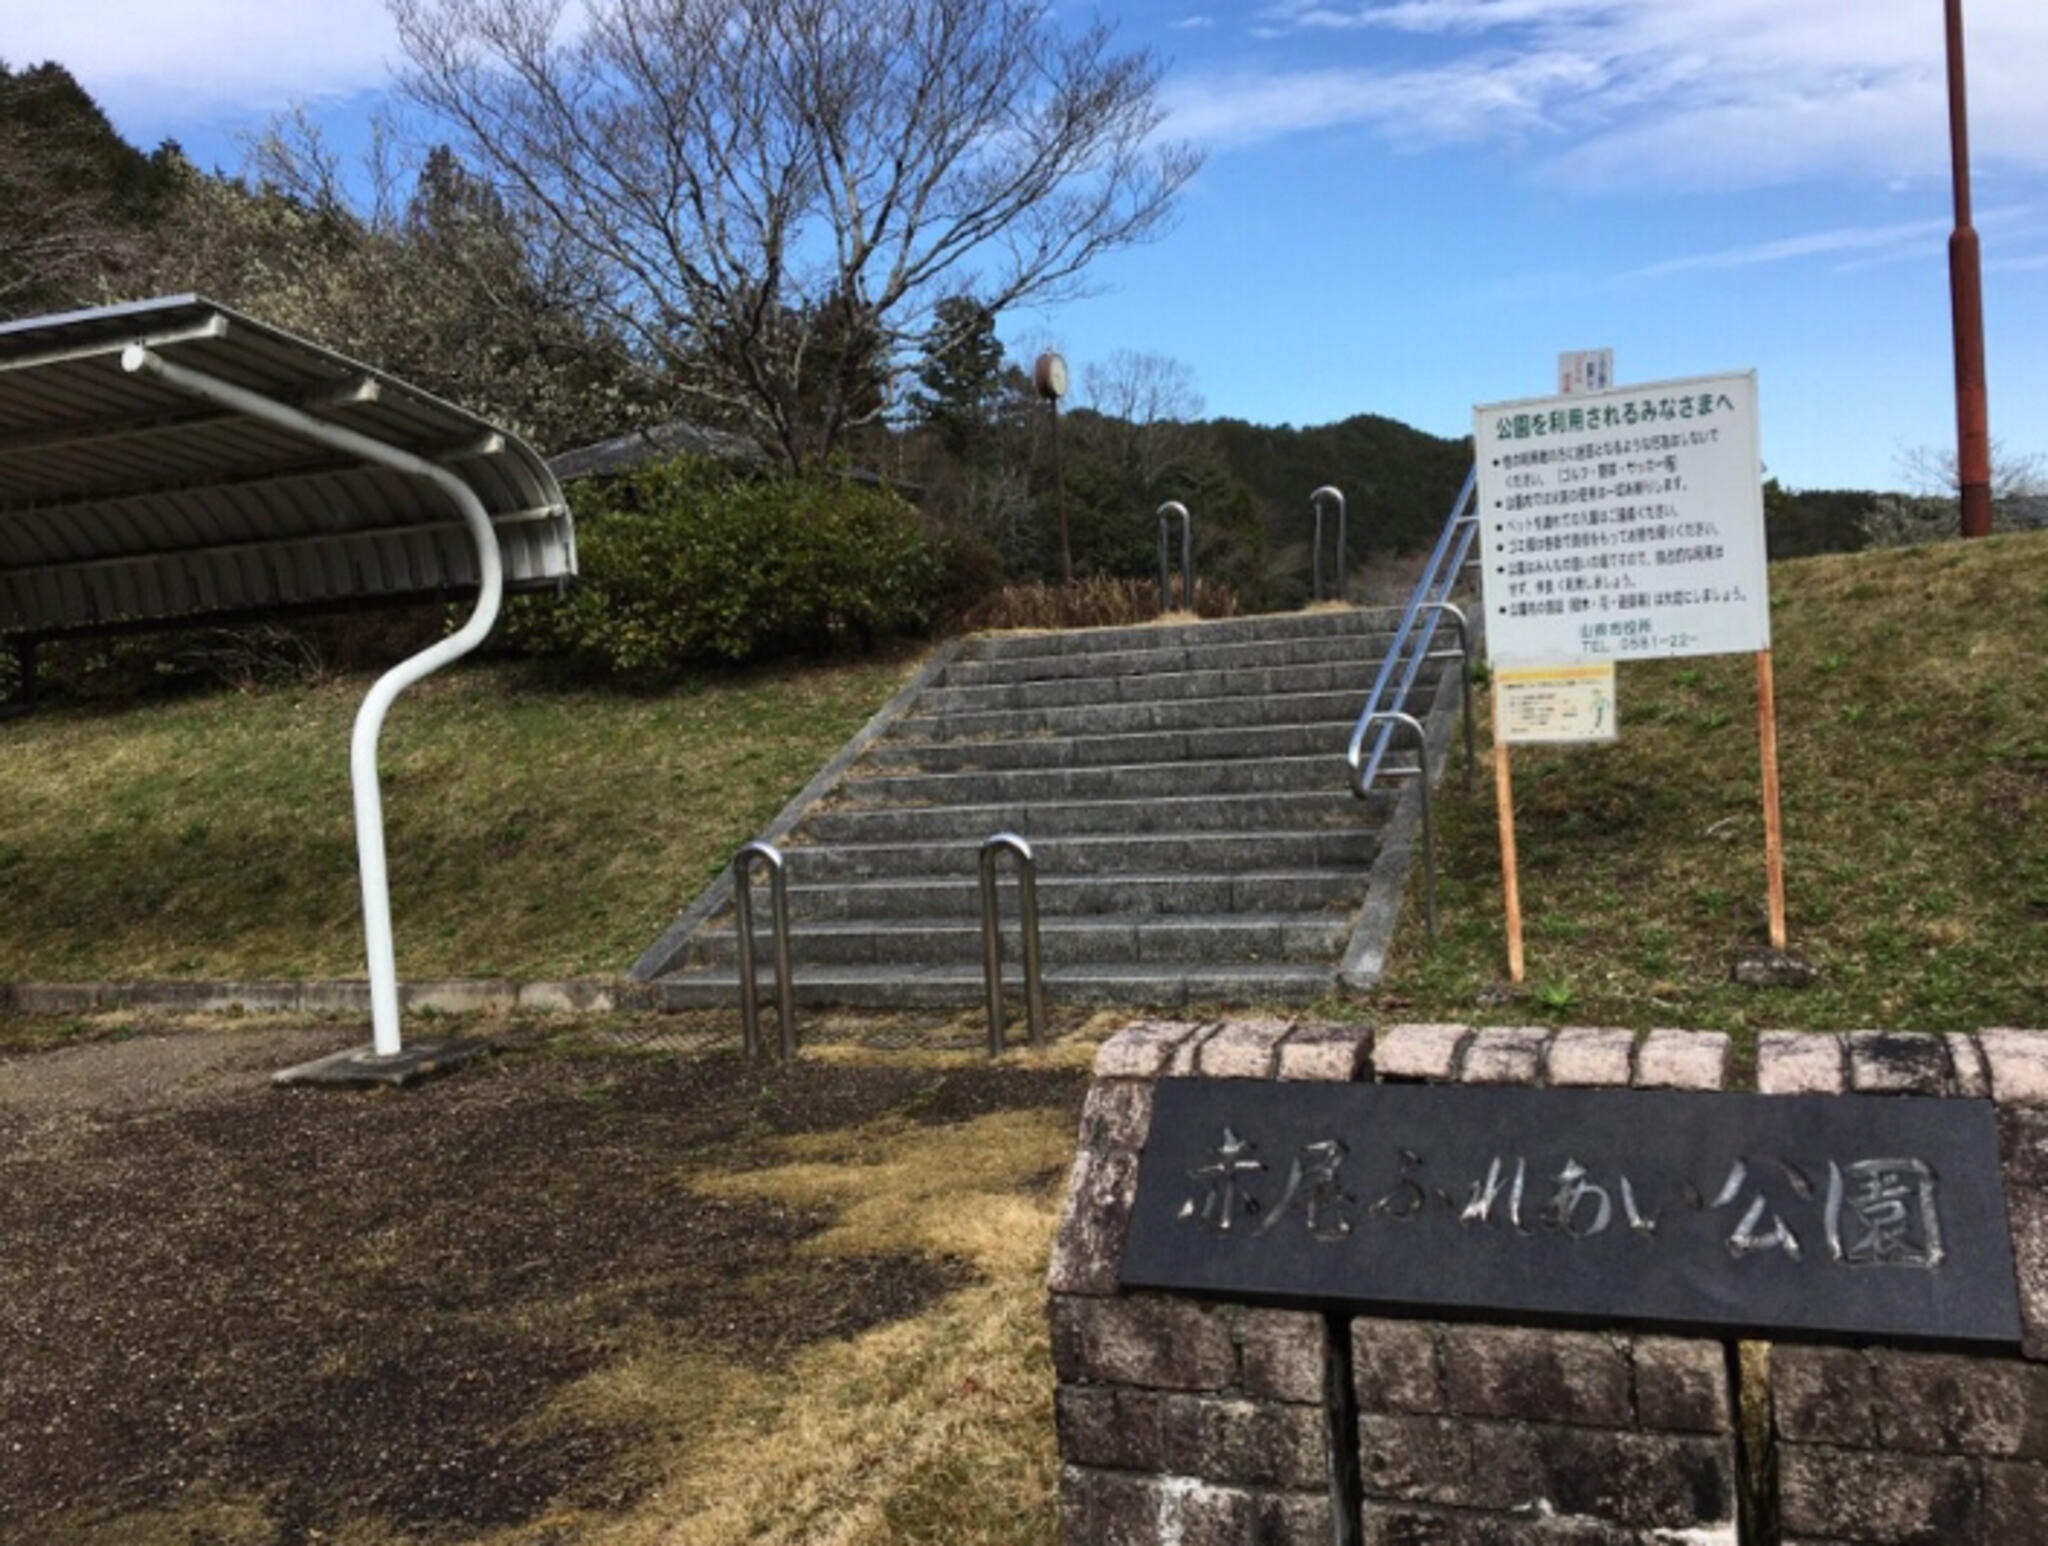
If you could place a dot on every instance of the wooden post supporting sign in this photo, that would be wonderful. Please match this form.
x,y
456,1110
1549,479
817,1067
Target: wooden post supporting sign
x,y
1510,879
1774,832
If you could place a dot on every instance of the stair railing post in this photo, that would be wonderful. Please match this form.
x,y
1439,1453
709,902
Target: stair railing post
x,y
1172,508
743,921
1027,917
1330,492
1463,655
992,938
1413,726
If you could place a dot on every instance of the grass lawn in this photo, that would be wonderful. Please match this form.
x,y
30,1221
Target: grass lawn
x,y
533,831
1912,693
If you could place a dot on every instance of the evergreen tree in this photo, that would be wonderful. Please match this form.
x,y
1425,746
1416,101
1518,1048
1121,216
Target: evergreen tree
x,y
960,380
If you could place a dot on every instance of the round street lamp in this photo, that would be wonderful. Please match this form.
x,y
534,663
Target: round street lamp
x,y
1049,376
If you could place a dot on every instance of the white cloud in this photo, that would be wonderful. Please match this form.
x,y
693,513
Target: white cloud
x,y
154,61
1860,238
1192,24
1874,245
1648,93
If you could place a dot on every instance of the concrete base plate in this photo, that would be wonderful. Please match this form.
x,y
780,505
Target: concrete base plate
x,y
361,1067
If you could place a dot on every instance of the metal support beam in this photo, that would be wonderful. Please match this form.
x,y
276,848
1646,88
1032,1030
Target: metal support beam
x,y
24,699
215,326
136,359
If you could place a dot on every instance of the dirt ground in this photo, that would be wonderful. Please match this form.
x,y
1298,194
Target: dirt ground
x,y
234,1315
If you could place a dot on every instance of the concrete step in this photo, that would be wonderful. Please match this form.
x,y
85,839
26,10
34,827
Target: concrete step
x,y
1255,655
956,896
1235,712
1336,623
885,758
1100,854
1151,780
1120,685
1111,937
1333,807
957,986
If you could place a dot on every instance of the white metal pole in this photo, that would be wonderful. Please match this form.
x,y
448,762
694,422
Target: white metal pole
x,y
362,751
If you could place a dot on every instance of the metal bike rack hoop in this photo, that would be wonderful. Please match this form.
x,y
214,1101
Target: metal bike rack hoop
x,y
992,937
743,921
1172,508
1328,492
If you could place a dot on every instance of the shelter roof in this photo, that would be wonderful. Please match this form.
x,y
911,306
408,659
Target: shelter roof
x,y
655,443
124,501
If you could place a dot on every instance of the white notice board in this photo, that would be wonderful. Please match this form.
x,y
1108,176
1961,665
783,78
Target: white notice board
x,y
1624,525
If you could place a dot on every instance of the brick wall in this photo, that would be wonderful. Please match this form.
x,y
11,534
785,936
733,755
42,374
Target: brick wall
x,y
1220,1425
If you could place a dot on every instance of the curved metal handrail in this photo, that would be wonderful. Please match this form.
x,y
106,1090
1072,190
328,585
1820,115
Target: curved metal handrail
x,y
1386,706
1414,727
1187,557
1413,636
743,921
1328,491
992,939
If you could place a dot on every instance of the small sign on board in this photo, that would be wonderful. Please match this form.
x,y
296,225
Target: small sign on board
x,y
1585,370
1555,705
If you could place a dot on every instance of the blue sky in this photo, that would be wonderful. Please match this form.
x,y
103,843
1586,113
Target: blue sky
x,y
1410,206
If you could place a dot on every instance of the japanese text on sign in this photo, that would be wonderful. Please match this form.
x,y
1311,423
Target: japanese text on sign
x,y
1624,525
1876,1212
1849,1215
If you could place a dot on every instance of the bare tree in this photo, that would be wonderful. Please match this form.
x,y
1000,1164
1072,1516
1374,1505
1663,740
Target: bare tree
x,y
78,199
1931,471
780,191
1150,398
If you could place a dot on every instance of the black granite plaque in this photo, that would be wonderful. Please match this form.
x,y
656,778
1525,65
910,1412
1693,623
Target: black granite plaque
x,y
1845,1216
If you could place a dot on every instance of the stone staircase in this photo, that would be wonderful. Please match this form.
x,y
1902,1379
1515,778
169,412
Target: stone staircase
x,y
1183,786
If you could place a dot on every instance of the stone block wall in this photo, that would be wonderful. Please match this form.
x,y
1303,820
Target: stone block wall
x,y
1883,1445
1205,1425
1475,1434
1223,1425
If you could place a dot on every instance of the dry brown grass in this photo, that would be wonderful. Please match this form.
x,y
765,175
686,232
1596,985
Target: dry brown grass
x,y
937,1429
1101,601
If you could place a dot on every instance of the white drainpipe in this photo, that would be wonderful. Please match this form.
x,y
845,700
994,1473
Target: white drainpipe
x,y
362,751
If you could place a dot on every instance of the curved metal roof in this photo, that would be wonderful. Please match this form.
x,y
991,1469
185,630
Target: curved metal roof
x,y
122,500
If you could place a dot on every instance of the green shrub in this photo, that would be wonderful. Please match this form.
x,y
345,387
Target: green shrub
x,y
684,563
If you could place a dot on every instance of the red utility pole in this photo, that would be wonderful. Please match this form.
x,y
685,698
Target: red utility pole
x,y
1966,298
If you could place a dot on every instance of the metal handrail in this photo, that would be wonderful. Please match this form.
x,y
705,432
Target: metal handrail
x,y
743,919
1326,492
1386,705
1187,557
1420,772
992,937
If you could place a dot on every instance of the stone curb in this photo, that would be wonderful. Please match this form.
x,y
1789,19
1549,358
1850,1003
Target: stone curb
x,y
342,997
